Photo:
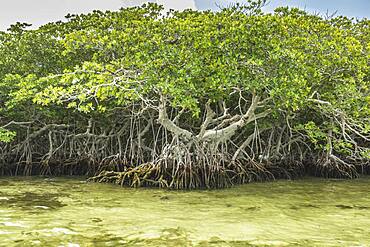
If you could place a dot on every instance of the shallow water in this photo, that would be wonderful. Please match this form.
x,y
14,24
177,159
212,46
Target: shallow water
x,y
70,212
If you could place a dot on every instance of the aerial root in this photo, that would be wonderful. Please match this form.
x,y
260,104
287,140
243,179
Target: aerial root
x,y
331,166
191,176
145,175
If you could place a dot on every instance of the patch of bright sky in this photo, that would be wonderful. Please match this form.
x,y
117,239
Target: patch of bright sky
x,y
39,12
352,8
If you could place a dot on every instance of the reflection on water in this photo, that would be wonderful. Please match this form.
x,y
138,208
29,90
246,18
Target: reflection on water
x,y
70,212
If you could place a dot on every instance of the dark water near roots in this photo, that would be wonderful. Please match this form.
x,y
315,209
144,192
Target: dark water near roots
x,y
70,212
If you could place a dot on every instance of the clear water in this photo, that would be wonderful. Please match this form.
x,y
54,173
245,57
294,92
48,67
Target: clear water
x,y
70,212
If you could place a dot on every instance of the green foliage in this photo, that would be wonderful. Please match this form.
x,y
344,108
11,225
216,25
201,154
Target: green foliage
x,y
289,56
6,135
314,133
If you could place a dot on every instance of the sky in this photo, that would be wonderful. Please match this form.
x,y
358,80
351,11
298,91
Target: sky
x,y
38,12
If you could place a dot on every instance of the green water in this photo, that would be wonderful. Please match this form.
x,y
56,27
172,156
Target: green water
x,y
70,212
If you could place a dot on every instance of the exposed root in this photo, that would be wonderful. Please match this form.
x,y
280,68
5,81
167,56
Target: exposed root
x,y
147,175
330,166
225,148
192,176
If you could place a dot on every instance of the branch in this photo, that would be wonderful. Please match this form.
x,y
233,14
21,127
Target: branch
x,y
209,117
168,124
242,147
15,123
227,132
46,128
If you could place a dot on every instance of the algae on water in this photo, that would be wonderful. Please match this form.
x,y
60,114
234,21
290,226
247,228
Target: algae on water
x,y
62,212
